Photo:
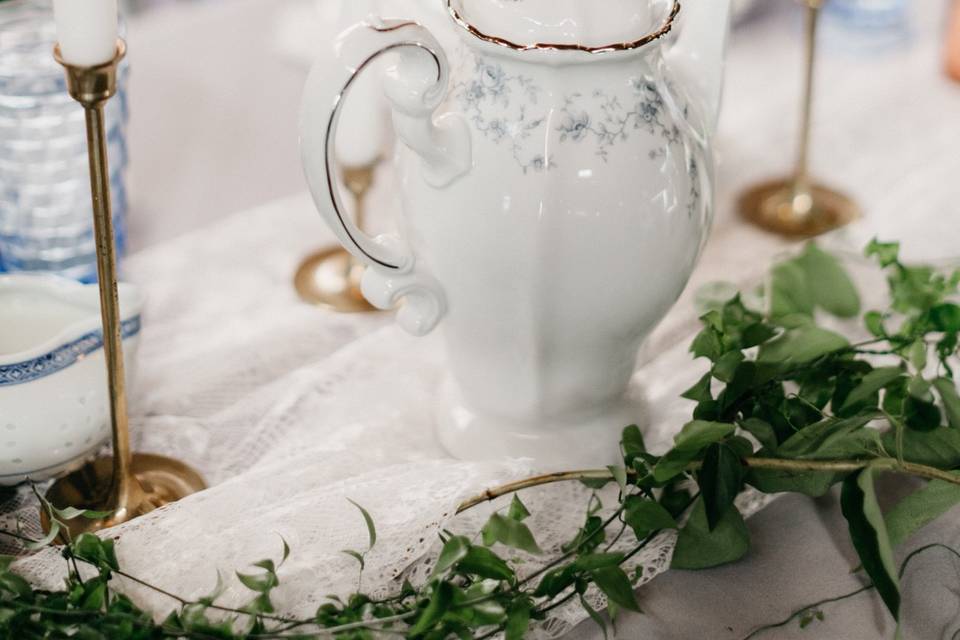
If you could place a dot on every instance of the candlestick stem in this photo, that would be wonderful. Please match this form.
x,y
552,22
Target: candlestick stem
x,y
797,205
806,113
123,488
124,485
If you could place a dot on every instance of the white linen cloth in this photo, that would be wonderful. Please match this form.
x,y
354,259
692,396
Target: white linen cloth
x,y
289,410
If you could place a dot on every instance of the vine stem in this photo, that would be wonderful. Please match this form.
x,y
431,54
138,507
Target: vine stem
x,y
564,476
775,464
841,466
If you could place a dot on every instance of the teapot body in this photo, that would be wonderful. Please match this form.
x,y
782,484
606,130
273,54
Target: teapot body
x,y
555,197
571,235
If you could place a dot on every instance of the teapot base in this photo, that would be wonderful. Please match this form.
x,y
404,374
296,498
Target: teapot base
x,y
589,440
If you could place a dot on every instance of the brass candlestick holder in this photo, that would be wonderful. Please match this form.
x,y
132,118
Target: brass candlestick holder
x,y
797,206
125,485
331,277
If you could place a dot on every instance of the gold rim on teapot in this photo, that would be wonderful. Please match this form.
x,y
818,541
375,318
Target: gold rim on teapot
x,y
663,30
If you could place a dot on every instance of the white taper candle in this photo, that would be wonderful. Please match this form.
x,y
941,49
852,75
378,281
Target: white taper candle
x,y
86,30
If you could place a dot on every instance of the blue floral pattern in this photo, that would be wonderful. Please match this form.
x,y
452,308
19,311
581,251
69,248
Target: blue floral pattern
x,y
62,357
506,109
612,122
501,107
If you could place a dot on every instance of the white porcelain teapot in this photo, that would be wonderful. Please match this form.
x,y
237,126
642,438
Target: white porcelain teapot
x,y
556,180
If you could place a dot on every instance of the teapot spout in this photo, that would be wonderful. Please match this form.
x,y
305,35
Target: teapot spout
x,y
698,54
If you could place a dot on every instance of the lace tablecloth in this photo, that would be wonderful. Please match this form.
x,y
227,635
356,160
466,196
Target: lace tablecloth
x,y
289,410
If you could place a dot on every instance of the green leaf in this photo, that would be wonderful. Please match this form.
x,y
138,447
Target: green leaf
x,y
919,509
831,438
356,556
439,604
96,551
45,541
258,582
619,475
509,532
588,538
518,620
95,595
266,565
720,479
790,292
371,529
873,321
453,551
749,376
707,344
518,511
802,345
555,581
700,392
868,532
830,286
482,562
69,513
698,434
699,548
951,400
921,415
712,296
727,365
15,585
673,463
895,396
938,448
675,499
692,439
632,442
595,483
946,317
646,516
887,253
595,616
871,384
756,334
918,355
762,431
808,483
712,319
615,584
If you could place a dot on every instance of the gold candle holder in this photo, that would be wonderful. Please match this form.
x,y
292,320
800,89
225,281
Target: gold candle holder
x,y
125,485
796,205
331,277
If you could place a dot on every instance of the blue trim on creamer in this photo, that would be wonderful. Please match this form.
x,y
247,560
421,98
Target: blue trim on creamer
x,y
61,357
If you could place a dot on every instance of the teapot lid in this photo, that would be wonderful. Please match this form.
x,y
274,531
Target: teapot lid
x,y
566,24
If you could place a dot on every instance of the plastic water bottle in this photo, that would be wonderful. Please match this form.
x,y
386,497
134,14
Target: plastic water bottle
x,y
46,222
867,25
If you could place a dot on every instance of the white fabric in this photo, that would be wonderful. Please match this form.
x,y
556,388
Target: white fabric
x,y
289,410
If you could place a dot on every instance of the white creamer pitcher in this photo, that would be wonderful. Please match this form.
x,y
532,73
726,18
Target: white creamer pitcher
x,y
556,179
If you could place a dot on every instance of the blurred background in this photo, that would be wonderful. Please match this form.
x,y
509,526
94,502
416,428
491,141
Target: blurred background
x,y
207,120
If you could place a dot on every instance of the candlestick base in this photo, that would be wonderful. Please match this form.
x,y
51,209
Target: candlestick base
x,y
331,279
161,481
794,209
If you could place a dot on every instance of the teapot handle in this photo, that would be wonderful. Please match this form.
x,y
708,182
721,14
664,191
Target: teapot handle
x,y
416,87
